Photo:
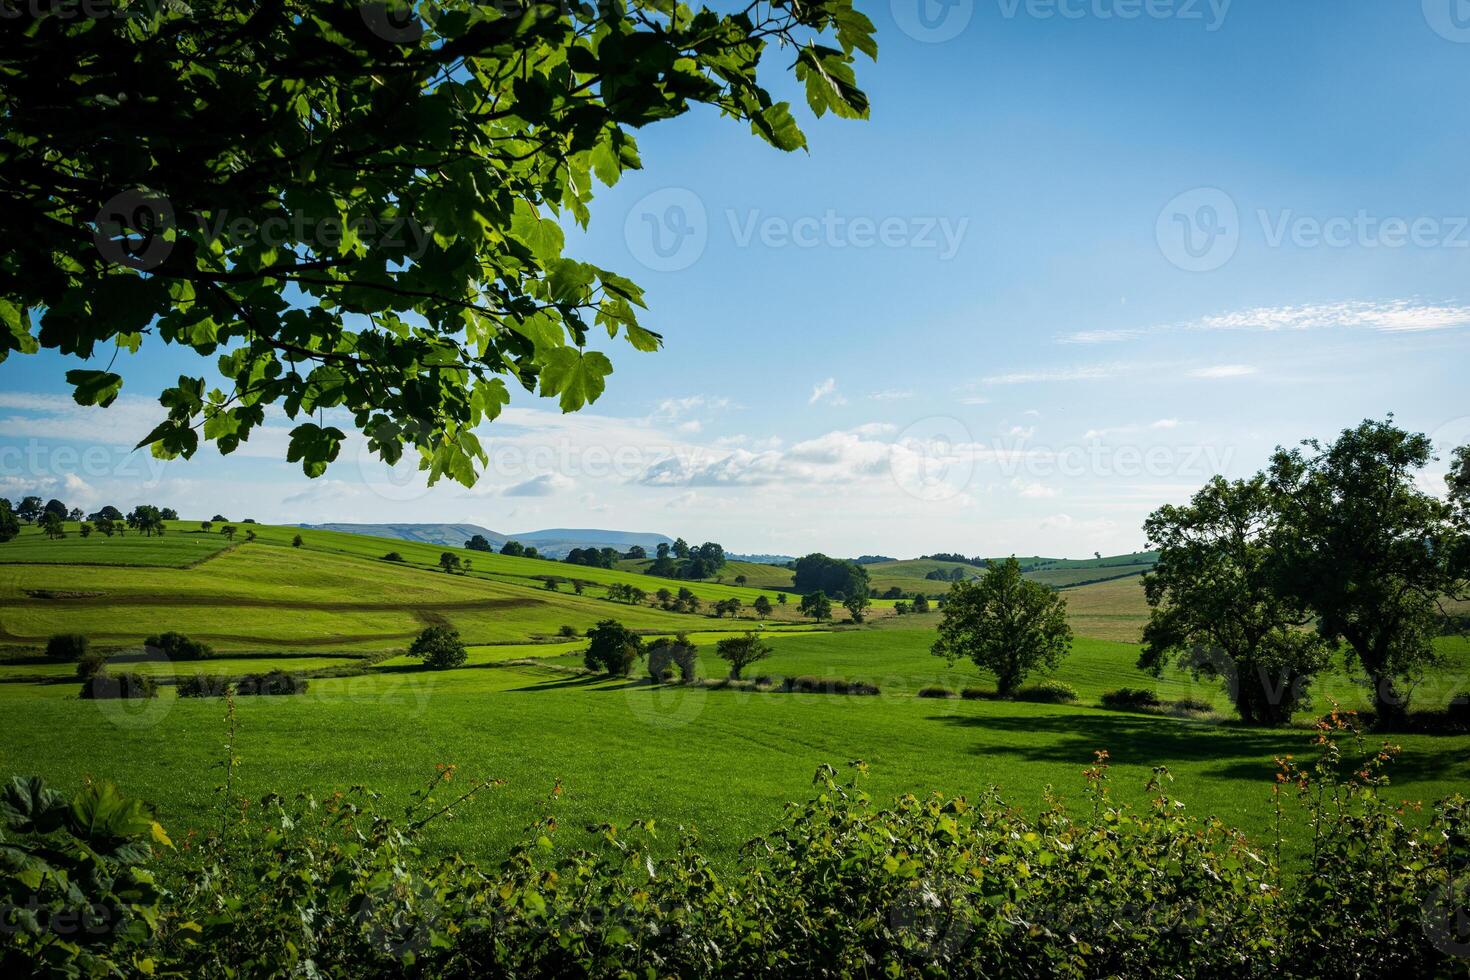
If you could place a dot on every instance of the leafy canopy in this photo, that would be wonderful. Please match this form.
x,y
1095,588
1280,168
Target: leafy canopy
x,y
358,207
1005,624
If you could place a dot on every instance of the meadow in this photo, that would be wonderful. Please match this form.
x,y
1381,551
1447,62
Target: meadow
x,y
724,760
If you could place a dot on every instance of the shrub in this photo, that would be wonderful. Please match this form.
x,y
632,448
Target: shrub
x,y
935,692
827,685
665,655
276,682
1130,698
66,647
567,631
202,686
177,646
107,686
1048,692
393,556
439,647
90,664
1192,704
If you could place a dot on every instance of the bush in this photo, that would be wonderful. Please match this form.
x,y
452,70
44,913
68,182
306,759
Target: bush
x,y
66,648
1126,698
439,647
665,655
393,556
827,685
1047,692
276,682
568,631
177,646
979,694
935,692
202,686
107,686
90,665
1192,704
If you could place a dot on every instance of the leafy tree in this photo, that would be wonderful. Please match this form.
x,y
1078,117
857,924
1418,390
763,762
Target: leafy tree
x,y
219,518
664,567
531,552
900,608
513,548
834,576
75,514
229,531
110,512
681,549
893,593
921,603
146,519
29,509
296,541
341,211
762,606
687,601
665,655
1367,551
393,556
479,542
9,526
249,534
742,651
449,561
177,646
1005,624
591,557
664,597
52,524
612,648
662,551
635,552
439,647
730,607
816,605
105,526
85,529
206,526
552,584
856,605
168,513
66,648
54,506
1214,605
781,598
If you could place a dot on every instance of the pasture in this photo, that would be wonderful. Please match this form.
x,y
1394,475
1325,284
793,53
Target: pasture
x,y
520,709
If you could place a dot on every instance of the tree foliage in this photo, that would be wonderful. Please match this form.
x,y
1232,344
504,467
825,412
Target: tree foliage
x,y
612,648
742,651
439,647
1216,608
816,605
1005,624
834,576
358,207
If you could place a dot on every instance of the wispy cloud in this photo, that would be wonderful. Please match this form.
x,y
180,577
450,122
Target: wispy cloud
x,y
826,391
1383,316
891,395
1224,371
1090,372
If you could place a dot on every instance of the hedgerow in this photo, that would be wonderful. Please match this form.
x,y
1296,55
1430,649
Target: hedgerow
x,y
919,887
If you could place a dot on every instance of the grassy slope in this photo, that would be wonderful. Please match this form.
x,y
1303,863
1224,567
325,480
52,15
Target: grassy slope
x,y
724,760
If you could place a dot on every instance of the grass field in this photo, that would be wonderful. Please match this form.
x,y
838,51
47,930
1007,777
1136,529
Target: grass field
x,y
724,760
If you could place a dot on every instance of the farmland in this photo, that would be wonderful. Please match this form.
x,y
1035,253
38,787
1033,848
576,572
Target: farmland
x,y
724,760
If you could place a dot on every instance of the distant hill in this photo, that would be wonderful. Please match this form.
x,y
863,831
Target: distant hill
x,y
762,559
552,542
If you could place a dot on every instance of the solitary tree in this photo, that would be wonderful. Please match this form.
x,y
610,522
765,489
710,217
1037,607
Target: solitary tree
x,y
478,542
206,526
85,529
612,648
856,605
816,605
921,603
296,541
666,655
29,509
1368,552
105,526
728,607
449,561
228,531
513,548
762,606
742,651
1214,605
52,525
439,647
781,598
1005,624
348,210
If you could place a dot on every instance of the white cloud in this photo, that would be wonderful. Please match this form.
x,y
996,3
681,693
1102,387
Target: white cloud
x,y
1382,316
826,391
1092,372
544,485
890,395
1217,371
1033,491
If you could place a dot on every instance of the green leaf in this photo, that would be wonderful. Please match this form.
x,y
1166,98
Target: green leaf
x,y
94,387
576,376
314,447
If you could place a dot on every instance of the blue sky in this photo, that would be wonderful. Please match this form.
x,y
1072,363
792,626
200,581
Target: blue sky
x,y
1085,254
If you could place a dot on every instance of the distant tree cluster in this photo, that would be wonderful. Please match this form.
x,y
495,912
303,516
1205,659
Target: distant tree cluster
x,y
631,594
517,550
836,577
977,561
53,515
593,557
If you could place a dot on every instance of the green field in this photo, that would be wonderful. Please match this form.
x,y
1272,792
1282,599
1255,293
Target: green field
x,y
722,759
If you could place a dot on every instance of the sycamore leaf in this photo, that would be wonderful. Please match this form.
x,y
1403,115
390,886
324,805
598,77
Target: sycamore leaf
x,y
577,376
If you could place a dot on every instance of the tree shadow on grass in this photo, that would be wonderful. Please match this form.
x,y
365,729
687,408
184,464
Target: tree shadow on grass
x,y
1224,751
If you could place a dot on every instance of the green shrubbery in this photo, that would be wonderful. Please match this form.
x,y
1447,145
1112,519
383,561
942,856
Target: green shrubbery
x,y
921,887
1048,692
439,647
666,655
177,646
202,686
935,691
104,685
66,648
275,682
1130,698
827,685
